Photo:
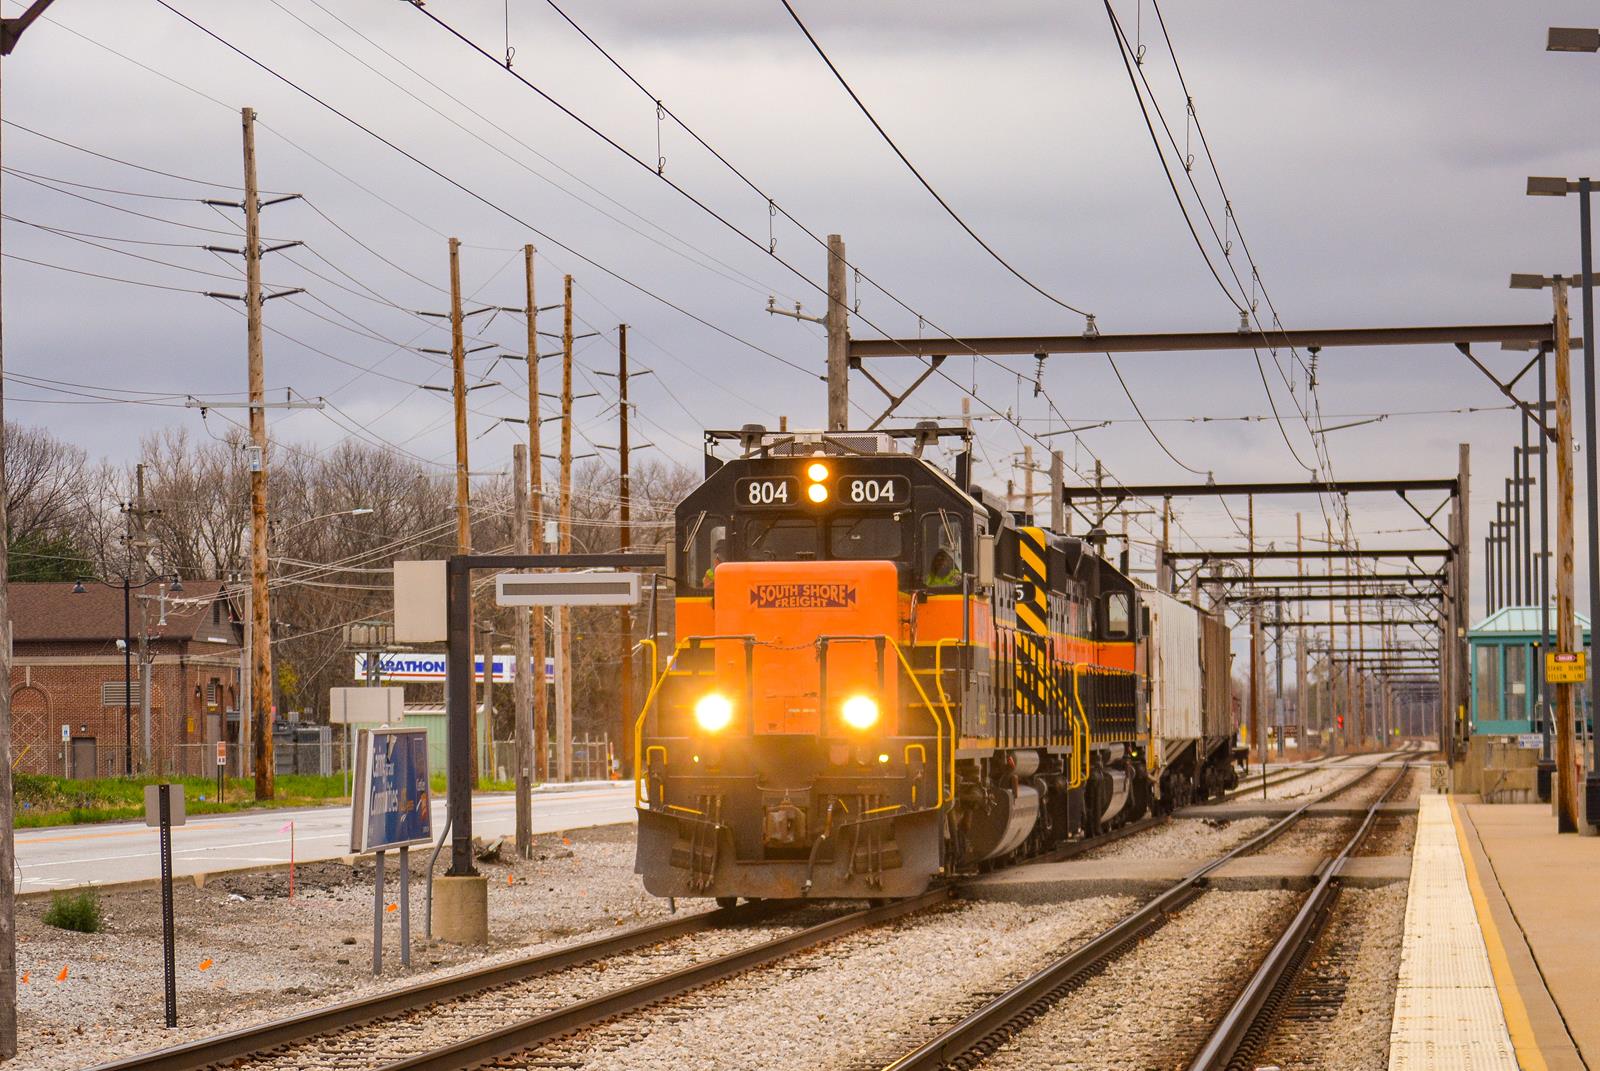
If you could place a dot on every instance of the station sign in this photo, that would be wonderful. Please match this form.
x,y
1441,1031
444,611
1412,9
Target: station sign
x,y
1565,667
409,666
390,808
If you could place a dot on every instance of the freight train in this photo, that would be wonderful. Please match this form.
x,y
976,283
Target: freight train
x,y
880,674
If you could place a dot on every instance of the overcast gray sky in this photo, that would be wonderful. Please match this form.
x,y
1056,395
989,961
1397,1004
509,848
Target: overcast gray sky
x,y
1375,155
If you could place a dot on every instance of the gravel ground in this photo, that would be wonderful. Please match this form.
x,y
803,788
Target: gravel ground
x,y
1391,836
412,1034
246,953
1356,958
1155,1005
861,1001
1182,837
1313,836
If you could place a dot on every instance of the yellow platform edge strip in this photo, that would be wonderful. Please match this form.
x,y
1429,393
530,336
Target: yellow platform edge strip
x,y
1520,1027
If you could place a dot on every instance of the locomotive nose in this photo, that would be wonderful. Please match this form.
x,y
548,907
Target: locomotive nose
x,y
820,664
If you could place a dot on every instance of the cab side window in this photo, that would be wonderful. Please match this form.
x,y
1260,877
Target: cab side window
x,y
940,553
705,547
1119,615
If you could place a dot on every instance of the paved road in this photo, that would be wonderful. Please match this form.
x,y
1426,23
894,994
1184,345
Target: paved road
x,y
65,856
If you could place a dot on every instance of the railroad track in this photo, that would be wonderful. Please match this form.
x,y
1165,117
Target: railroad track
x,y
288,1041
978,1034
1249,1023
275,1035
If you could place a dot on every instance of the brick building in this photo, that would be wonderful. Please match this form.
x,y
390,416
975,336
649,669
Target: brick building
x,y
67,670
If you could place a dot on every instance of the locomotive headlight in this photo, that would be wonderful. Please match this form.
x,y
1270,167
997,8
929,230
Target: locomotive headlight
x,y
860,712
817,492
817,472
713,712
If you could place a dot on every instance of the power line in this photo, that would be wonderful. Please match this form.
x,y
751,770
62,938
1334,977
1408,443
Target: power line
x,y
904,159
480,197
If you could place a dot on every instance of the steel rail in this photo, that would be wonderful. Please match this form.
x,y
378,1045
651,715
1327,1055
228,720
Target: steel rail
x,y
977,1035
537,1029
1253,1015
250,1040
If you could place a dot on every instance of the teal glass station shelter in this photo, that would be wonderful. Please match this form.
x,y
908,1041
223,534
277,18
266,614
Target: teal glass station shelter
x,y
1505,664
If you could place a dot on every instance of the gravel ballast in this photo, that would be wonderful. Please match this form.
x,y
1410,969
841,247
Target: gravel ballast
x,y
858,1002
1155,1005
265,957
1358,954
1182,838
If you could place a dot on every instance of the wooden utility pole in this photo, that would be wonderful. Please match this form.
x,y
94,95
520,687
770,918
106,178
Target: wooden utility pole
x,y
458,395
838,324
1027,481
138,545
624,538
564,613
1567,639
524,671
1058,498
10,30
260,604
541,708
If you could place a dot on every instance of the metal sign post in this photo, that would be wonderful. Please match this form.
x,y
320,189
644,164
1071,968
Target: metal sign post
x,y
164,809
391,810
222,765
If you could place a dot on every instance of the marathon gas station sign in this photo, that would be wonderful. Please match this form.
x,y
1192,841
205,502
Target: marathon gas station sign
x,y
414,667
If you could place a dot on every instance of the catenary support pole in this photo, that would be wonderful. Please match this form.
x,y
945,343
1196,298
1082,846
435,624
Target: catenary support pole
x,y
458,397
1545,725
624,751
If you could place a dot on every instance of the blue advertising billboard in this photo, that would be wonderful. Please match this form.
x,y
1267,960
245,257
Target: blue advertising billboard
x,y
390,808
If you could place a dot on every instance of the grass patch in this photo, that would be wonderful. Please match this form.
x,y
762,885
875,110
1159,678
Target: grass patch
x,y
42,800
78,911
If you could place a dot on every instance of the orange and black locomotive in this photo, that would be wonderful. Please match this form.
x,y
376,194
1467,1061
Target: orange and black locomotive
x,y
879,674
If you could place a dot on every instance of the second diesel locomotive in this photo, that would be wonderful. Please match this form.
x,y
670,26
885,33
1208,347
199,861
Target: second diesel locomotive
x,y
880,674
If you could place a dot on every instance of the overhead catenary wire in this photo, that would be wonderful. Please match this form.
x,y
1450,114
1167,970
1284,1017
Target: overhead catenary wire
x,y
917,173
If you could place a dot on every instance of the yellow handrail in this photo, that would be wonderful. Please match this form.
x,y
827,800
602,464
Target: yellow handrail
x,y
949,717
1080,733
638,726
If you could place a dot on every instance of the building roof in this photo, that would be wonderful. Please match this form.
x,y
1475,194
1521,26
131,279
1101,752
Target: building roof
x,y
50,612
1520,621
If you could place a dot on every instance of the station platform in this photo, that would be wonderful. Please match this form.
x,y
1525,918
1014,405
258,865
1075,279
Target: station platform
x,y
1500,965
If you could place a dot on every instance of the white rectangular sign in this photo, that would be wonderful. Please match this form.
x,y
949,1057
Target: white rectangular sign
x,y
367,705
567,589
419,602
1530,741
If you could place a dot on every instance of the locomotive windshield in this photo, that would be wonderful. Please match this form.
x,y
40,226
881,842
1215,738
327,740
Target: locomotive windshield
x,y
873,537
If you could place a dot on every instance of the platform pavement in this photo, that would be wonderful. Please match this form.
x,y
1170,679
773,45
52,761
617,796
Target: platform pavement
x,y
1538,900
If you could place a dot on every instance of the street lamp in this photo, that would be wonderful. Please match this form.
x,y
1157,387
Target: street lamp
x,y
127,587
357,512
1583,41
